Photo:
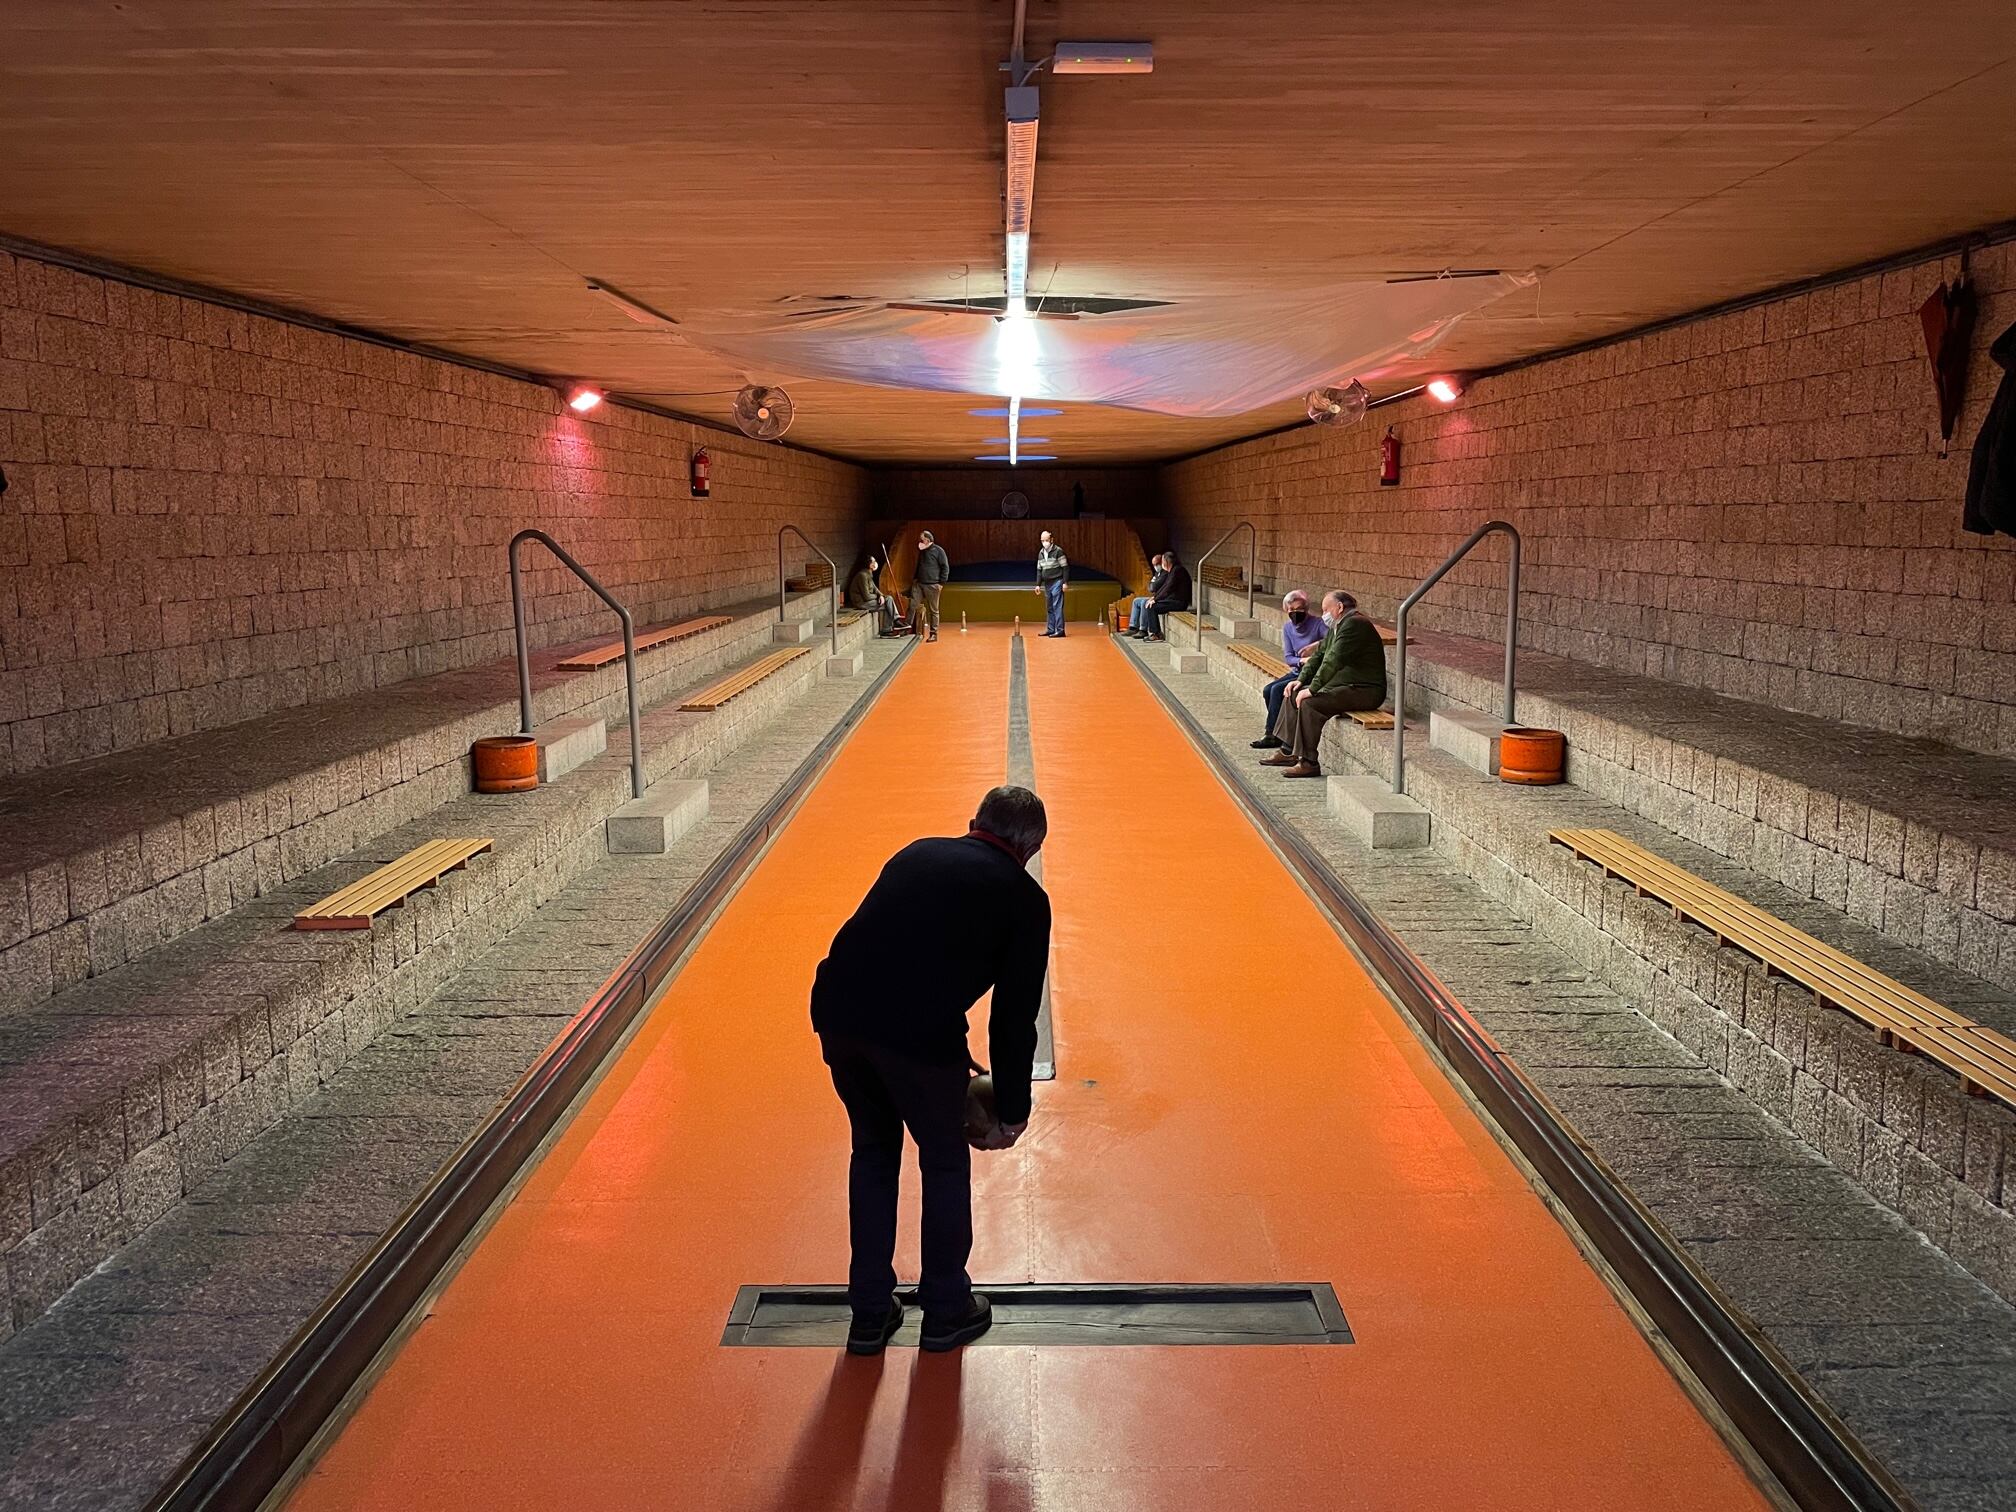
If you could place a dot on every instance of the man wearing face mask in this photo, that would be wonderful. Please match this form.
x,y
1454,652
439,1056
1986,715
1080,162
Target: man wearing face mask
x,y
928,582
1348,673
1299,633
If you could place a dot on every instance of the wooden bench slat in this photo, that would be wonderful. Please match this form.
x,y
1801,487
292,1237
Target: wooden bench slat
x,y
1983,1058
711,697
1372,719
354,906
1259,656
609,651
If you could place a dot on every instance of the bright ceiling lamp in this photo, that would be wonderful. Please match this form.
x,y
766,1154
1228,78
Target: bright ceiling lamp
x,y
1011,461
1020,198
1445,390
1025,441
1000,412
1103,58
583,397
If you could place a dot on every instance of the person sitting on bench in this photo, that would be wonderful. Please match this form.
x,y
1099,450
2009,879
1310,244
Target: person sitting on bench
x,y
1137,611
1175,595
1348,673
1301,632
864,592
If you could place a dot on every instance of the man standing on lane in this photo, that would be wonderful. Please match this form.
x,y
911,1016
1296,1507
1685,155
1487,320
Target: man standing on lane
x,y
1052,569
934,569
1300,632
958,917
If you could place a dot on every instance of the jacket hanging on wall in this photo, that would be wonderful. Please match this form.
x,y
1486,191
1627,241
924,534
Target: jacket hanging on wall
x,y
1991,477
1947,318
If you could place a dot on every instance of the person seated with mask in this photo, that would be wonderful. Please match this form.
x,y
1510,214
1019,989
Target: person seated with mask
x,y
1300,633
1137,611
1346,674
864,592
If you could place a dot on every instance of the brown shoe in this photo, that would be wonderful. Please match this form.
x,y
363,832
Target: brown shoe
x,y
1279,758
1304,769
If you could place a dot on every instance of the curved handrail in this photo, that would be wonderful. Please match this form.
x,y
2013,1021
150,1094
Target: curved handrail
x,y
1400,638
525,664
1252,561
832,586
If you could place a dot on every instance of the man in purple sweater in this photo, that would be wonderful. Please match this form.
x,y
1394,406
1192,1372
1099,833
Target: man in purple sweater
x,y
1301,633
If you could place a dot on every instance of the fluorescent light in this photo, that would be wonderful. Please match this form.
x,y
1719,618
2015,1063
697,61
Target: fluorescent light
x,y
1000,412
1026,440
1015,361
1104,58
1018,265
1004,457
1020,198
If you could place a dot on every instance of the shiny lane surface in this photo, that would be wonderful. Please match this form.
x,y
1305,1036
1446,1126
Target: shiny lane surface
x,y
1236,1102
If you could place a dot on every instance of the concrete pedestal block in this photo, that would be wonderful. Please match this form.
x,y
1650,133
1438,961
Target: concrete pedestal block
x,y
653,824
1237,627
847,665
1470,737
565,744
1188,661
1381,818
791,632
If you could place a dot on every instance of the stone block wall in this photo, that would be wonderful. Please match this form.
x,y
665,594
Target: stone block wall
x,y
213,514
1755,503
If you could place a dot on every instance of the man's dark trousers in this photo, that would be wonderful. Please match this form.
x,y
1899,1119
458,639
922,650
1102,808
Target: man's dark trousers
x,y
1272,695
1053,603
885,1093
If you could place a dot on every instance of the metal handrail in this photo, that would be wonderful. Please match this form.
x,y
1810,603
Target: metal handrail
x,y
1252,562
525,664
832,586
1400,638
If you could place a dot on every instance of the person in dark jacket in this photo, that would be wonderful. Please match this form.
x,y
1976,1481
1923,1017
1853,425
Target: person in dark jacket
x,y
1991,473
1053,569
1347,672
1137,609
1175,595
864,592
955,918
934,570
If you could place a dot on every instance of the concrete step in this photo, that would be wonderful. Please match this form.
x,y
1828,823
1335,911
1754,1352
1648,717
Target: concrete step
x,y
653,824
1471,737
565,744
1376,815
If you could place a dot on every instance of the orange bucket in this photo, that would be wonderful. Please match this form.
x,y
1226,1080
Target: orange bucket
x,y
505,763
1534,757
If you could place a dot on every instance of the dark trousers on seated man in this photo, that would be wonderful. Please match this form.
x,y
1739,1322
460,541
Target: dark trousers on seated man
x,y
1300,726
886,1093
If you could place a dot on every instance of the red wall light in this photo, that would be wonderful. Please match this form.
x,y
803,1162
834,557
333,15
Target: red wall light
x,y
1445,390
582,397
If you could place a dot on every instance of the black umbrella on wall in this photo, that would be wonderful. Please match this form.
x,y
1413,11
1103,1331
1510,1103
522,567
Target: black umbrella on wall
x,y
1947,317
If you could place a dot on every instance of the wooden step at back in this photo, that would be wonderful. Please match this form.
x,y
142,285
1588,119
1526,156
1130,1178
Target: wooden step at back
x,y
1983,1059
354,907
715,694
1372,719
609,651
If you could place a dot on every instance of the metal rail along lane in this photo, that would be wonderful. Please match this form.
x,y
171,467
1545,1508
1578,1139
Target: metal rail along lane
x,y
1814,1455
251,1448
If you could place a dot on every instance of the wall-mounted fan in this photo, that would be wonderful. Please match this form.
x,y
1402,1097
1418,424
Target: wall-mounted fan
x,y
1338,406
763,413
1014,505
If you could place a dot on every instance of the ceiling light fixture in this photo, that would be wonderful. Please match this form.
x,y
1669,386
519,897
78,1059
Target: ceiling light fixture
x,y
1000,412
583,397
1011,461
1445,390
1103,58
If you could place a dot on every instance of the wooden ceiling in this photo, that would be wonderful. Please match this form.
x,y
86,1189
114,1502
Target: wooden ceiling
x,y
450,172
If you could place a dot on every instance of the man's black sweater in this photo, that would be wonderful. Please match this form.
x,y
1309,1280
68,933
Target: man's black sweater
x,y
945,921
1175,592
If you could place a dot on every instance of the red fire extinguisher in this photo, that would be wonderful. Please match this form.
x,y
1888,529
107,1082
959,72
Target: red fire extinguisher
x,y
700,466
1389,460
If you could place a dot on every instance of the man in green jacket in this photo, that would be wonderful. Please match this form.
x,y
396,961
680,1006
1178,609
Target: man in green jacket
x,y
1346,673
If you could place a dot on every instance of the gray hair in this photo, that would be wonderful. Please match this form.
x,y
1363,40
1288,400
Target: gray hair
x,y
1293,593
1014,814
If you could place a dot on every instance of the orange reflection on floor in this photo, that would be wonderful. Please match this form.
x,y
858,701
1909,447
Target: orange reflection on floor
x,y
1235,1102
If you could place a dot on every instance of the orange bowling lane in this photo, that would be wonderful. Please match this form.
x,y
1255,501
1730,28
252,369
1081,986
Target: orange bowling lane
x,y
1235,1102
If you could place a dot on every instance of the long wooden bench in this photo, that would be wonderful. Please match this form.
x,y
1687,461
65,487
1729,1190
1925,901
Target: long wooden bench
x,y
1257,655
715,694
609,651
1983,1059
355,906
1223,577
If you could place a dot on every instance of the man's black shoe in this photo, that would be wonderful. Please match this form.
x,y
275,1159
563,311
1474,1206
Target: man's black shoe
x,y
870,1336
1268,743
940,1335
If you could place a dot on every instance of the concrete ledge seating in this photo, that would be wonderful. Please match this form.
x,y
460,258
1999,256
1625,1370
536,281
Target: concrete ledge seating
x,y
612,651
355,906
129,1087
102,861
714,695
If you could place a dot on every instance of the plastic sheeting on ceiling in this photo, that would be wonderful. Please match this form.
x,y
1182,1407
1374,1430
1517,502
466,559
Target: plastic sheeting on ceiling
x,y
1203,356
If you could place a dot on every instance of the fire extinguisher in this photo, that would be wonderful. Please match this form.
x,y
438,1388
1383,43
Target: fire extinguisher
x,y
700,466
1389,460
